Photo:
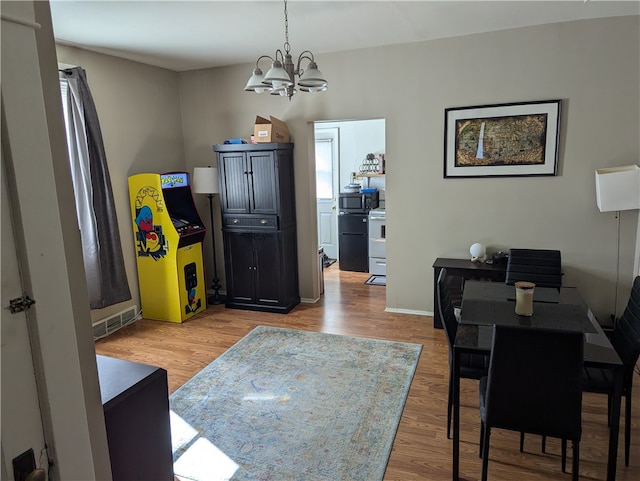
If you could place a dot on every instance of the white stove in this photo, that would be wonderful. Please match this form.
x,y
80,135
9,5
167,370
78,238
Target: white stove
x,y
377,242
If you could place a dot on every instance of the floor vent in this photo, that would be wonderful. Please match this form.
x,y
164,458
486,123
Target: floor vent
x,y
99,330
104,327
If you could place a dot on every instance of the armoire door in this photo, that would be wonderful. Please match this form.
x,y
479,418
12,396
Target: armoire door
x,y
267,251
234,183
263,191
240,266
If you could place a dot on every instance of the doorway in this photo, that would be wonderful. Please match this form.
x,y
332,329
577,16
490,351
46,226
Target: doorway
x,y
341,149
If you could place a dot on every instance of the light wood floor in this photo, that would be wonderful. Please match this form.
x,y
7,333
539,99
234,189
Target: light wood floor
x,y
421,450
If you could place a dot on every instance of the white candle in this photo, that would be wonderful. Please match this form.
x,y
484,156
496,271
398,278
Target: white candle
x,y
524,298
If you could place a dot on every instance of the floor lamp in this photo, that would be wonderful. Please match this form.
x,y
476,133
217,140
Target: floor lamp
x,y
617,189
205,181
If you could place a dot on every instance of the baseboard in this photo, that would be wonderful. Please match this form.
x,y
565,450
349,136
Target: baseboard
x,y
308,300
409,311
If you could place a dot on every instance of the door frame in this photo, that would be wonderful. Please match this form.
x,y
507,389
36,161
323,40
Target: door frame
x,y
48,246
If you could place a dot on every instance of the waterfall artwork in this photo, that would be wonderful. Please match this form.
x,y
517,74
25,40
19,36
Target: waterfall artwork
x,y
513,140
509,139
480,152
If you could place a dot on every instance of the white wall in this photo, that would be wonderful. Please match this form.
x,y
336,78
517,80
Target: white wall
x,y
592,65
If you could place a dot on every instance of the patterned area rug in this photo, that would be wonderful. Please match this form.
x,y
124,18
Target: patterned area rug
x,y
291,405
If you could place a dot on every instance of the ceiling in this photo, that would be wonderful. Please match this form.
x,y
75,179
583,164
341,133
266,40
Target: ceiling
x,y
187,35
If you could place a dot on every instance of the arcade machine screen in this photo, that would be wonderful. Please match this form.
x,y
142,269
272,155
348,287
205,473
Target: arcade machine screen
x,y
182,210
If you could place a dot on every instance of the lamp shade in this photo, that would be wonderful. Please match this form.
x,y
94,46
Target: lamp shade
x,y
477,251
277,76
205,180
313,78
313,89
618,188
255,83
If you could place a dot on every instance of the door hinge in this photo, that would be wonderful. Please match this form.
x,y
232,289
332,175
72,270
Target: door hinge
x,y
20,304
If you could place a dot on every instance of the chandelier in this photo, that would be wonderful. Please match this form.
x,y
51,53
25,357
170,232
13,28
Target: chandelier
x,y
280,78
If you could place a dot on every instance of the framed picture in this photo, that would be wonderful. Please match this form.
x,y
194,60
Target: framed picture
x,y
502,140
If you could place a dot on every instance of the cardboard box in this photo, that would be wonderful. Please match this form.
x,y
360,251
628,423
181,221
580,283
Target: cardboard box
x,y
273,130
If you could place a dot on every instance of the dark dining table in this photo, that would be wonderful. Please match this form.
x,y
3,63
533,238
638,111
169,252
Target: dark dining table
x,y
487,303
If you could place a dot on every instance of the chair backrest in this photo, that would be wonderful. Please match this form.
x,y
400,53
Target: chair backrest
x,y
447,314
540,266
626,334
535,381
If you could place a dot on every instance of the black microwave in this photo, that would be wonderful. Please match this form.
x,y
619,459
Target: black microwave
x,y
357,202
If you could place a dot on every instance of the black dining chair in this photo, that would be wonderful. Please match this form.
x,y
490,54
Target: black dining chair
x,y
472,366
543,267
534,386
625,338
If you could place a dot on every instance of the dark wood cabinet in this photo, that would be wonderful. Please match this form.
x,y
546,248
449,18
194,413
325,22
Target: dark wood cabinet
x,y
257,200
135,399
257,179
263,268
463,269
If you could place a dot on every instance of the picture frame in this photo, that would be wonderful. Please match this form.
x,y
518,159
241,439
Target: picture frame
x,y
502,140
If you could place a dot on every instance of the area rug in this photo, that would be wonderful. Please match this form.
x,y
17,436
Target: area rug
x,y
377,281
291,405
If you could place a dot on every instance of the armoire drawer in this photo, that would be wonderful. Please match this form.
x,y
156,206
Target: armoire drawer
x,y
253,222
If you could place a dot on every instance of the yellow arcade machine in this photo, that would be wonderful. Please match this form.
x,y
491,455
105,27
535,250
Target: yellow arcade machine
x,y
168,234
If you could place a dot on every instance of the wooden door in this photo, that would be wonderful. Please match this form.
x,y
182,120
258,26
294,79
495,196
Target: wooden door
x,y
22,426
327,189
45,234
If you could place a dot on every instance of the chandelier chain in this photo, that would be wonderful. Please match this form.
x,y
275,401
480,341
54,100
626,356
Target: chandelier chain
x,y
287,46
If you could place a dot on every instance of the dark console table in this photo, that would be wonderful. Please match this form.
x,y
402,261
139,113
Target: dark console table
x,y
464,269
135,399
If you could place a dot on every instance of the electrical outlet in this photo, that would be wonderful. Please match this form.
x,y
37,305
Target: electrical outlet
x,y
24,465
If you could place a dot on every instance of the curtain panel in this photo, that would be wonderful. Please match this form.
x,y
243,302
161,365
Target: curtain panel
x,y
102,250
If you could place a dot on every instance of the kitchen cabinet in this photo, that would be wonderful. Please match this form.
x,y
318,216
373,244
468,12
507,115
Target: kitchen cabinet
x,y
257,200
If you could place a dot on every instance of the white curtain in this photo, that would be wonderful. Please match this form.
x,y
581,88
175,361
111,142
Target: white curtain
x,y
81,176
